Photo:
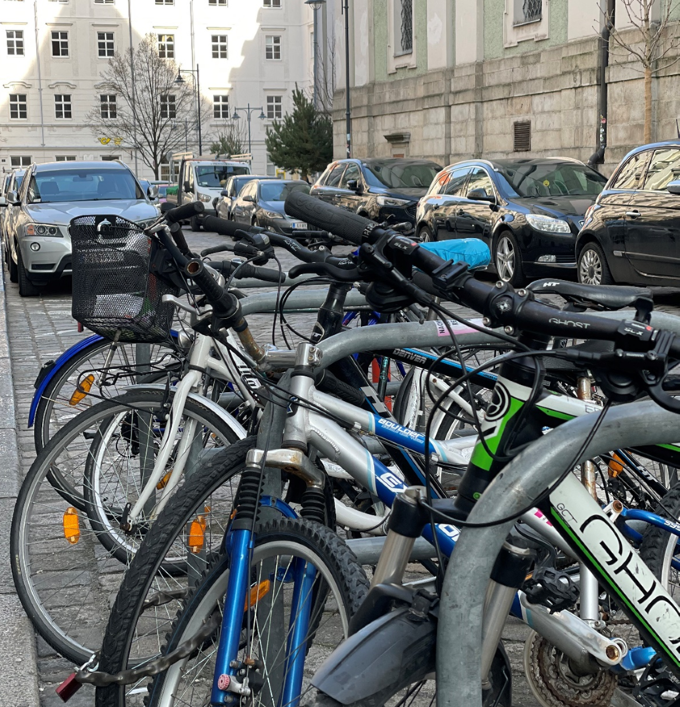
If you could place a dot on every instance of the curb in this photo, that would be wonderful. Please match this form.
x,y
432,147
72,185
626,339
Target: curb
x,y
18,669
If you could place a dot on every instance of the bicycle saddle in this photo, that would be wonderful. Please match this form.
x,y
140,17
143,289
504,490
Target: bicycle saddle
x,y
594,296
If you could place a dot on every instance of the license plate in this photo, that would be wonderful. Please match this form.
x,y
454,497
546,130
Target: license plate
x,y
299,225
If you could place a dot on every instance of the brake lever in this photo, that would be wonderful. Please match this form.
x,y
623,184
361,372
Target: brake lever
x,y
341,274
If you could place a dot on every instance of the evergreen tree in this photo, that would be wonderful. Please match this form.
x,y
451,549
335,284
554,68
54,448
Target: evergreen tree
x,y
303,140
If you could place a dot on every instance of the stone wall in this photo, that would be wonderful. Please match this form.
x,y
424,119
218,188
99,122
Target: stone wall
x,y
469,110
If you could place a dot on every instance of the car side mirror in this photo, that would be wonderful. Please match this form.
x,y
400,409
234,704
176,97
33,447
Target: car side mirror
x,y
13,198
353,185
481,195
187,186
249,198
673,187
224,192
152,192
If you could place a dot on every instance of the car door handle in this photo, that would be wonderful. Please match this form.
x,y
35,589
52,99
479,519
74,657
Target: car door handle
x,y
633,214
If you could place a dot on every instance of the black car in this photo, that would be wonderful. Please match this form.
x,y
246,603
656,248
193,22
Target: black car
x,y
379,189
632,232
528,211
261,202
231,190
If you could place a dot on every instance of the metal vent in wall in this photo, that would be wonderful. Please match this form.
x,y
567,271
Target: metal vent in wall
x,y
522,136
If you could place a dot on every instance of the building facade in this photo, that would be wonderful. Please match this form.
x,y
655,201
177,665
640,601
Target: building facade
x,y
251,53
453,79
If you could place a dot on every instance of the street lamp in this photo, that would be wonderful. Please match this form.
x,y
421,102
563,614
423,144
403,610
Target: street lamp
x,y
316,5
180,80
348,118
249,111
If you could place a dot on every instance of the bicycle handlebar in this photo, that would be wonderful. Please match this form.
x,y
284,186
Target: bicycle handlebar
x,y
186,211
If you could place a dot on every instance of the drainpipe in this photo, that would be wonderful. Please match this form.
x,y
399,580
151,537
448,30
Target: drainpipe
x,y
597,157
37,56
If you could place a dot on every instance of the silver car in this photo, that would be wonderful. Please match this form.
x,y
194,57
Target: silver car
x,y
39,246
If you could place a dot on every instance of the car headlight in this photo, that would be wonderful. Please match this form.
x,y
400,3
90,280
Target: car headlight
x,y
271,214
390,201
205,197
548,224
42,229
146,222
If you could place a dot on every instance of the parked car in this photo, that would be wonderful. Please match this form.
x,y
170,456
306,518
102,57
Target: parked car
x,y
4,182
39,248
379,189
261,202
632,232
162,191
528,211
231,190
9,210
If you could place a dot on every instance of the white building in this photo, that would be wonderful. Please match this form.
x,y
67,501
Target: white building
x,y
53,52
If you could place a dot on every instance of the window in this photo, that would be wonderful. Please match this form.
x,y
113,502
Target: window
x,y
221,107
480,179
62,105
165,172
352,172
219,46
168,106
65,158
110,158
165,2
15,42
105,45
97,2
403,19
663,169
20,161
215,3
271,3
107,106
527,11
62,1
455,185
274,107
59,43
334,177
522,136
166,46
630,174
18,109
272,47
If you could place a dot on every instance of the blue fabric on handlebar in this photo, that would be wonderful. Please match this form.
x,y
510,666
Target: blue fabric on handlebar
x,y
472,251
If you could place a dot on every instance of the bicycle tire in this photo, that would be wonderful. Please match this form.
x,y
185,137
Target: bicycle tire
x,y
659,546
64,580
334,561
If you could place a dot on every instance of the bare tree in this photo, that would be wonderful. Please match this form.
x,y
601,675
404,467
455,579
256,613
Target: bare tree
x,y
326,79
147,109
230,139
652,46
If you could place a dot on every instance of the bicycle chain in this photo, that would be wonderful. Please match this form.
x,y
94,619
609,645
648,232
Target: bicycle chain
x,y
99,678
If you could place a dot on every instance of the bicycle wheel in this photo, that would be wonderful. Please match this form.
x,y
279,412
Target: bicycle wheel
x,y
281,548
103,368
66,565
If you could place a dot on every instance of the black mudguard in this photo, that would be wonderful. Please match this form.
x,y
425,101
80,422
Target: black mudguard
x,y
394,651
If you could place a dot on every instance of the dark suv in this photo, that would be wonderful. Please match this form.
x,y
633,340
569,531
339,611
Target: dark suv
x,y
379,189
528,211
632,232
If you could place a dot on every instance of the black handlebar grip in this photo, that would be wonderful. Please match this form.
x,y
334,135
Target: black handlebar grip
x,y
186,211
222,226
343,223
266,274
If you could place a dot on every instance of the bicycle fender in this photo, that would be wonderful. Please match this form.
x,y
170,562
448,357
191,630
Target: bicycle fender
x,y
58,365
395,650
230,421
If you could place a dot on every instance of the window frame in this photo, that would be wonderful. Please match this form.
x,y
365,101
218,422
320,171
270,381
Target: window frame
x,y
274,105
342,184
18,103
489,177
168,105
650,163
274,46
17,42
217,3
108,103
60,42
105,42
21,164
217,46
399,25
167,3
271,4
167,45
219,102
646,156
341,166
65,158
461,190
66,106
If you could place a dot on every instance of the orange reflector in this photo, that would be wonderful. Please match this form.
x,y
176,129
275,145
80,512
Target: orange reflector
x,y
82,389
615,466
197,534
164,481
256,593
71,525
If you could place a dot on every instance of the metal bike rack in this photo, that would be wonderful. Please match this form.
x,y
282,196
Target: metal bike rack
x,y
459,634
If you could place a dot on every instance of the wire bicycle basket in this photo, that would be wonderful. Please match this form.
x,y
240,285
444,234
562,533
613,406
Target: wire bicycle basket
x,y
114,294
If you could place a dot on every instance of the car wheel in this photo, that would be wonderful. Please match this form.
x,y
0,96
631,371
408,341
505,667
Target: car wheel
x,y
26,287
425,234
12,267
195,223
508,259
592,266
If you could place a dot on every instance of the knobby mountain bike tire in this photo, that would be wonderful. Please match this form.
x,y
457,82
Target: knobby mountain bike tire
x,y
338,591
67,564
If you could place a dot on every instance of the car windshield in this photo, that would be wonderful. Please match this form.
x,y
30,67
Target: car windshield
x,y
399,175
216,175
82,185
553,179
276,191
162,191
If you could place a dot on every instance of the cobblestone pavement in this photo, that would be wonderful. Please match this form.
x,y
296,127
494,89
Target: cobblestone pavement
x,y
39,330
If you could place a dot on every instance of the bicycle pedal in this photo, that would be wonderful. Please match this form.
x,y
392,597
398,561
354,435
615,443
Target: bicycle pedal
x,y
68,688
552,588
